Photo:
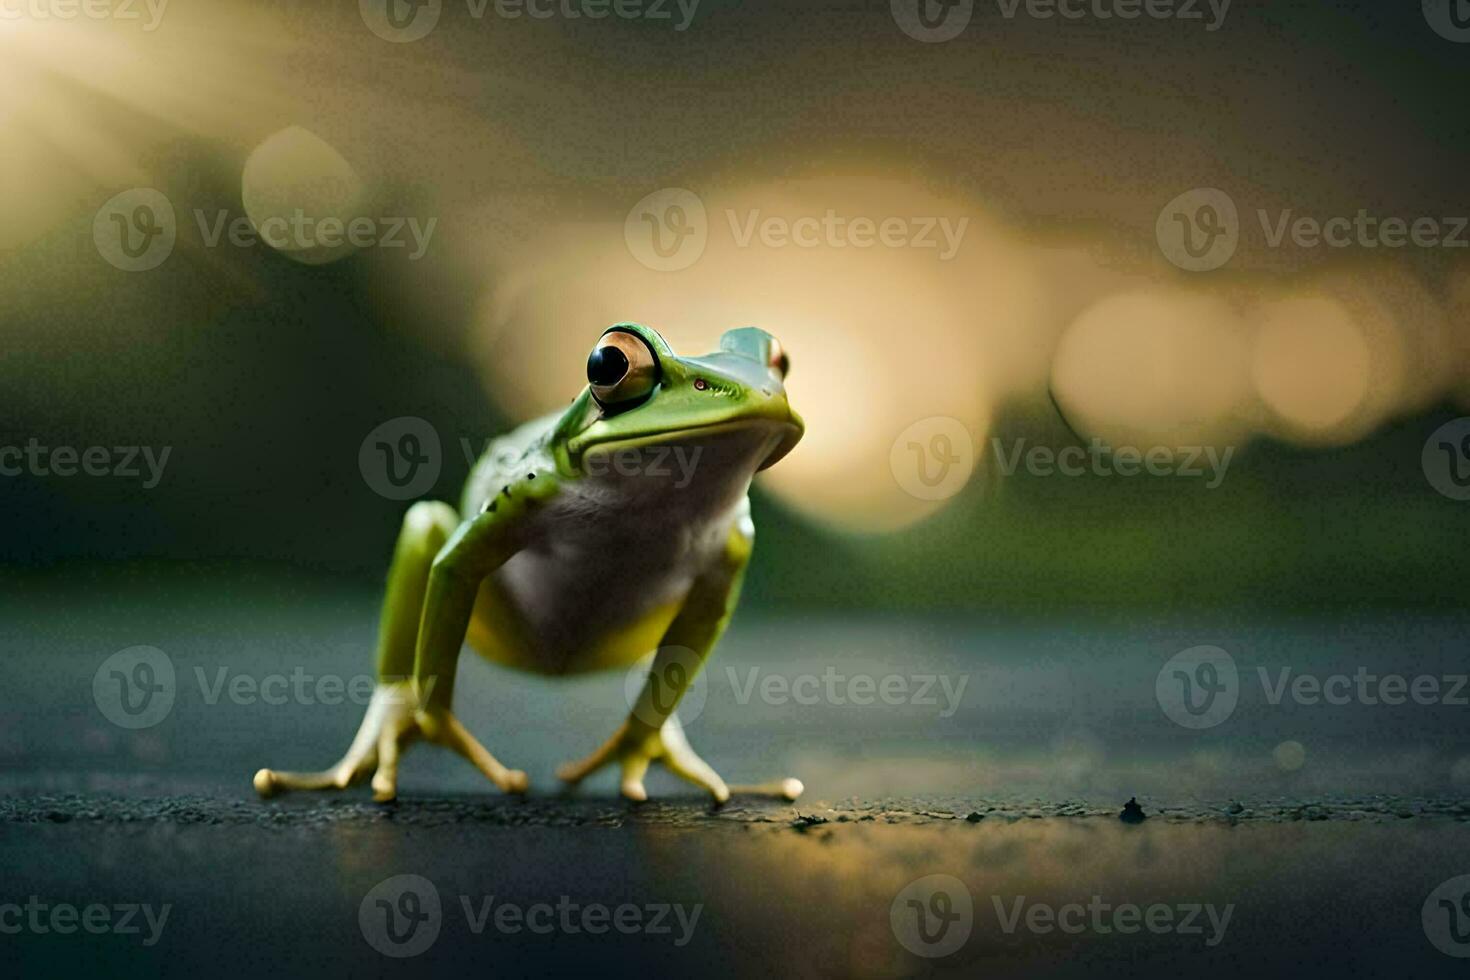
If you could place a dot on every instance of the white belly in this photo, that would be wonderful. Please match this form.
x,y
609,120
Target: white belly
x,y
603,564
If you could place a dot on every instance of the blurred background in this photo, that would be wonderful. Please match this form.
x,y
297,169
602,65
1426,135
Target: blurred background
x,y
528,152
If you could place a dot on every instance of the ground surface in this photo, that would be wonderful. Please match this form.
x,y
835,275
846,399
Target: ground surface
x,y
1324,854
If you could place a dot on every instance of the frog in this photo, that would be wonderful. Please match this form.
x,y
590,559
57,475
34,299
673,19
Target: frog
x,y
585,540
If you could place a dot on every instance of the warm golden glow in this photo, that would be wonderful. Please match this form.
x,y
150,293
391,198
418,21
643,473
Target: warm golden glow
x,y
1311,366
892,335
1154,370
86,104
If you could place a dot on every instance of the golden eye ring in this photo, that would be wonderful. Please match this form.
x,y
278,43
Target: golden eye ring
x,y
621,369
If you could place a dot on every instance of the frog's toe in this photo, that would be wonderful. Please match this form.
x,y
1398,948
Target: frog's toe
x,y
682,761
635,767
269,782
265,784
352,769
785,789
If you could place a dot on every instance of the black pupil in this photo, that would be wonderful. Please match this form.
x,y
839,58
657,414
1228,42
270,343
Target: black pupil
x,y
606,366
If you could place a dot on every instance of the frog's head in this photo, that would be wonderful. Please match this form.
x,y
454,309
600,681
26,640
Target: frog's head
x,y
641,394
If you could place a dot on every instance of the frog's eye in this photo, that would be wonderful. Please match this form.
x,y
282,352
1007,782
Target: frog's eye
x,y
621,368
778,361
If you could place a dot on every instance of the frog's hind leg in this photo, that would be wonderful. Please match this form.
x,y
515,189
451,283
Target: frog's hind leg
x,y
426,527
652,732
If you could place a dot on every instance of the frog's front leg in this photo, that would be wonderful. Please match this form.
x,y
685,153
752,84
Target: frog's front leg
x,y
437,570
652,732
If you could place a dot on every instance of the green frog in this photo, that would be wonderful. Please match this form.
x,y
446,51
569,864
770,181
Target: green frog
x,y
584,540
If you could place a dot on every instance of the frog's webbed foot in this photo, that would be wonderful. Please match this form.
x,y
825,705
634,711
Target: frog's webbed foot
x,y
392,723
634,750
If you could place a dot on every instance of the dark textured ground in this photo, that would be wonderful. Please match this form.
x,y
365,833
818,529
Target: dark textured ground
x,y
317,811
1015,794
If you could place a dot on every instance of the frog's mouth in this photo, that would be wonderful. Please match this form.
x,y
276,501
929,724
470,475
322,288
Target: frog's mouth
x,y
768,439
